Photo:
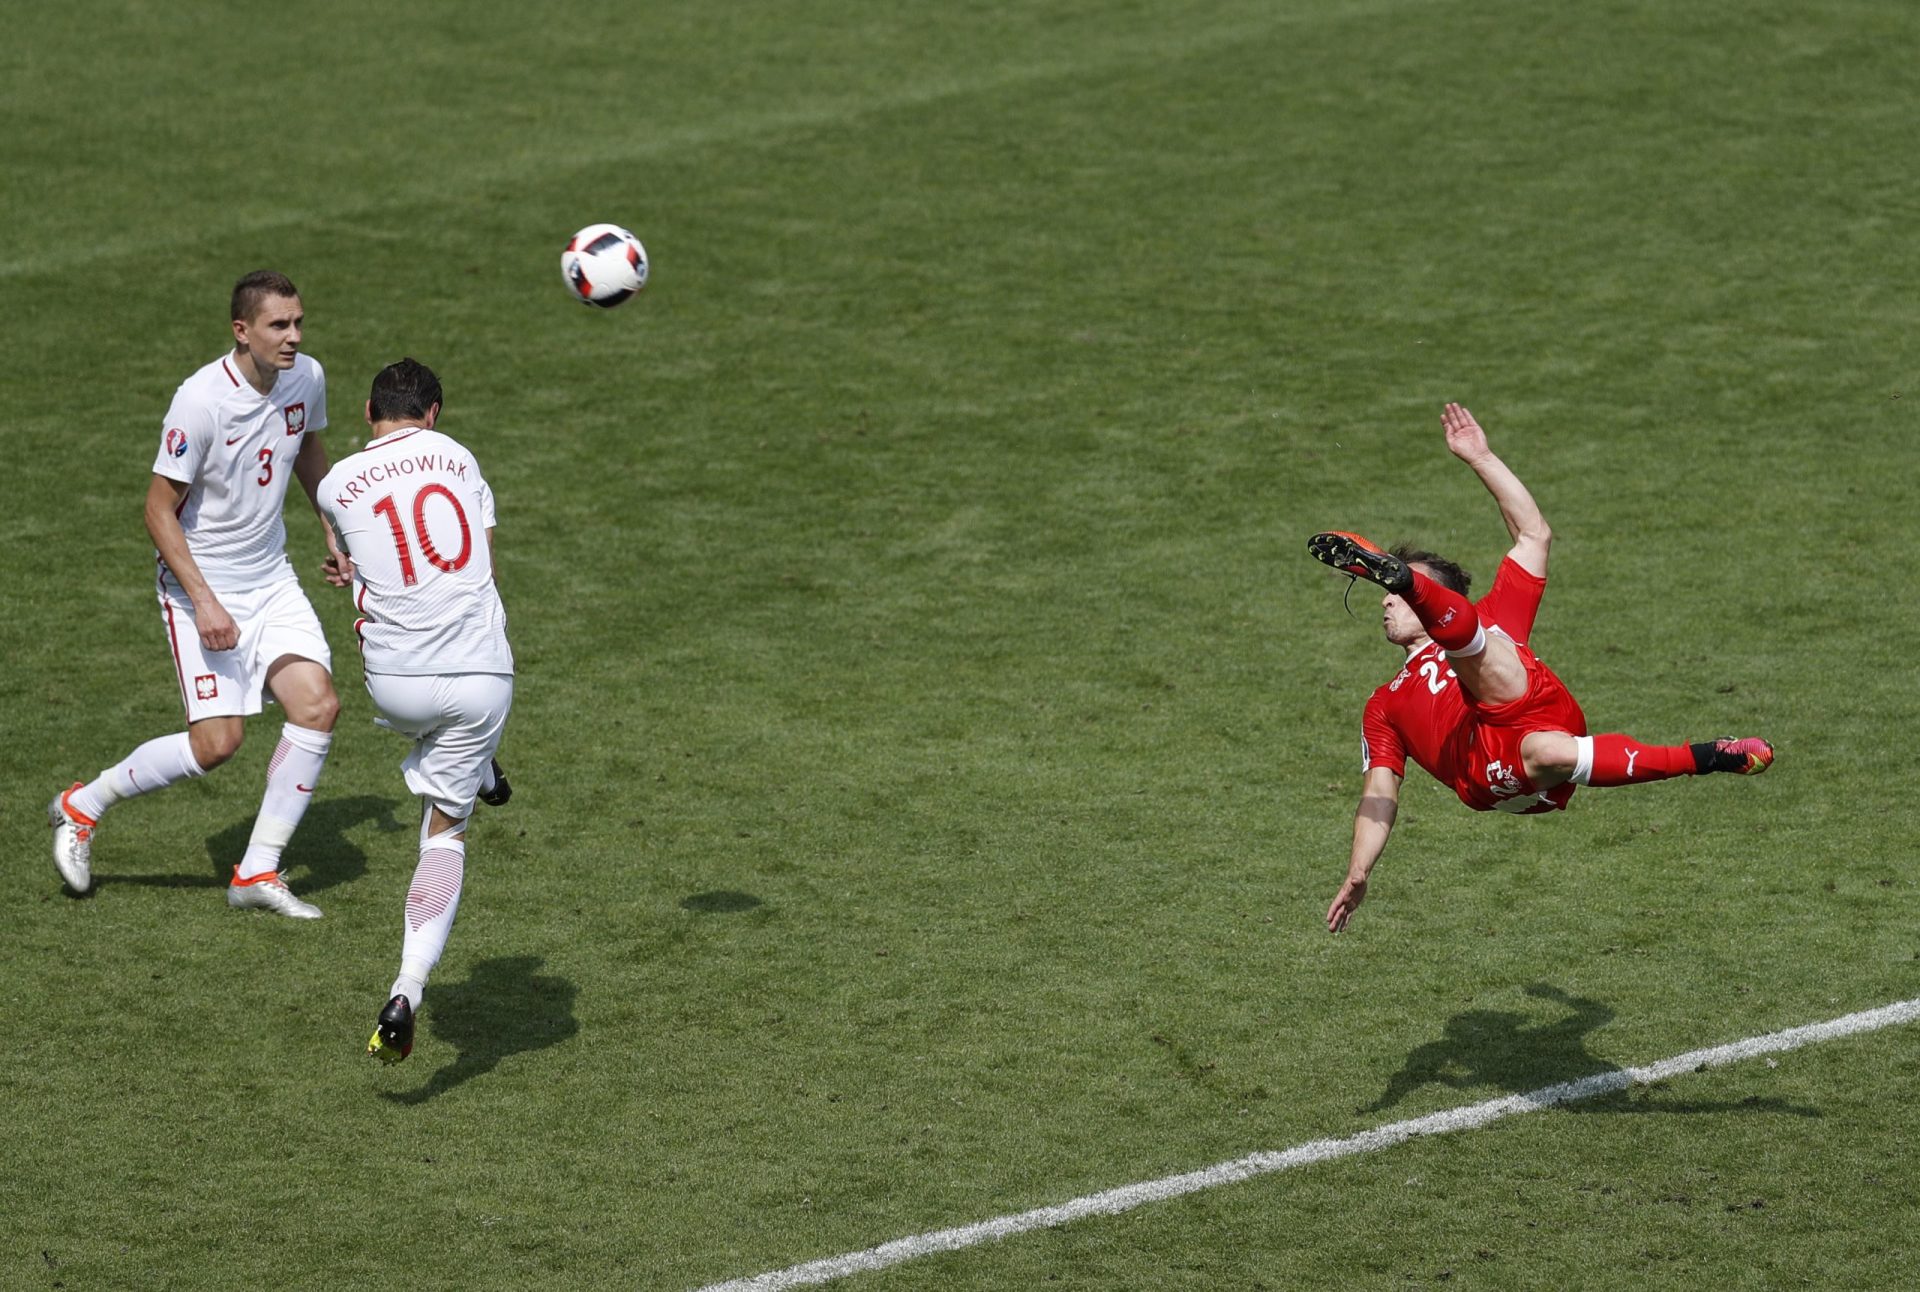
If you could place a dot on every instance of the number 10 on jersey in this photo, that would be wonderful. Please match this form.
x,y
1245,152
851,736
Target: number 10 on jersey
x,y
388,508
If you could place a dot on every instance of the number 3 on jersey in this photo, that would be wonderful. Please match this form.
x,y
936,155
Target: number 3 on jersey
x,y
386,507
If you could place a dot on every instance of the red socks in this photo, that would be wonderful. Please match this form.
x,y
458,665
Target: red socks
x,y
1622,760
1448,617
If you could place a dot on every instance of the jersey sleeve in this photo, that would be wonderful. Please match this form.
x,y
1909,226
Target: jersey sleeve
x,y
1380,744
1513,601
184,439
486,504
323,501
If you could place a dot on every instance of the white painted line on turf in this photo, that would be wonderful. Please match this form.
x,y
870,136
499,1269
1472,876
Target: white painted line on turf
x,y
1127,1197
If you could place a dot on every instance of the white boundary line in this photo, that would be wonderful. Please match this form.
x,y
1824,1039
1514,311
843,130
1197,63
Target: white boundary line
x,y
1127,1197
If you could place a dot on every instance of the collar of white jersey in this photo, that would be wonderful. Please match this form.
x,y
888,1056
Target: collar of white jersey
x,y
393,437
231,363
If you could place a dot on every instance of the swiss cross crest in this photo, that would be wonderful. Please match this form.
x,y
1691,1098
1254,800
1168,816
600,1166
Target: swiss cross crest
x,y
296,417
206,686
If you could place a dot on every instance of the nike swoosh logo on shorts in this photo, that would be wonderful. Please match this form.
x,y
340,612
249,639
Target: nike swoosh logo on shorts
x,y
304,789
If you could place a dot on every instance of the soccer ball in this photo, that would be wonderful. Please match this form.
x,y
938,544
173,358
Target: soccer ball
x,y
604,264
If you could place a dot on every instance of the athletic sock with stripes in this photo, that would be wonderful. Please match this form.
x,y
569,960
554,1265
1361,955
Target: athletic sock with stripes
x,y
432,900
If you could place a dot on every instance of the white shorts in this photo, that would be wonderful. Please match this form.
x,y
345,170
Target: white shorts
x,y
274,620
455,723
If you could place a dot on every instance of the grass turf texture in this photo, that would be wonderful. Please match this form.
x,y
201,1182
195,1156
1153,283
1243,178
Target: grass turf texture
x,y
933,751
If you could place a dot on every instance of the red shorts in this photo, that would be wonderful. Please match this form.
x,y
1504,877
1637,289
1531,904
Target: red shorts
x,y
1494,778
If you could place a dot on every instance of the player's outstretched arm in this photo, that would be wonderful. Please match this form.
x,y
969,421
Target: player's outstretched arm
x,y
165,497
1531,537
1372,824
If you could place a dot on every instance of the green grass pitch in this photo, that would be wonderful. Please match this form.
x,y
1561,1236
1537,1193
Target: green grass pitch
x,y
933,751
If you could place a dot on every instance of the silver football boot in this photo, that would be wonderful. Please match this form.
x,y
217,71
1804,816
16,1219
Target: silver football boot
x,y
269,892
72,842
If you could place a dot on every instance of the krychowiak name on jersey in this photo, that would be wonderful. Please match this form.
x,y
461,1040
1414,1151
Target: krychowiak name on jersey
x,y
415,514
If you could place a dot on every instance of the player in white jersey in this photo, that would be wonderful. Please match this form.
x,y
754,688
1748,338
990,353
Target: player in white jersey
x,y
417,515
237,623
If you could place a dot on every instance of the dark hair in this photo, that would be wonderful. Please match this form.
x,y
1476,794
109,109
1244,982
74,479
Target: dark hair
x,y
1439,568
256,287
404,389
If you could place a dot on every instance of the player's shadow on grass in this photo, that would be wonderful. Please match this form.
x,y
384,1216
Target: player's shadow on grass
x,y
1515,1054
320,846
320,856
502,1008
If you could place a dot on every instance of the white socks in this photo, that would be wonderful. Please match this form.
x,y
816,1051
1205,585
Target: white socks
x,y
154,766
432,900
412,986
291,778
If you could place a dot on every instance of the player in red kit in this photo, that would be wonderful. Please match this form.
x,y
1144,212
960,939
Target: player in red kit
x,y
1472,705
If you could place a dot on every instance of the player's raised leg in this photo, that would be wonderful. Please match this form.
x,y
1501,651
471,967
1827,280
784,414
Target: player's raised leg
x,y
1448,617
1553,758
494,790
1362,558
1487,666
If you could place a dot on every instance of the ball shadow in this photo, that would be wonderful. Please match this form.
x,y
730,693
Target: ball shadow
x,y
719,902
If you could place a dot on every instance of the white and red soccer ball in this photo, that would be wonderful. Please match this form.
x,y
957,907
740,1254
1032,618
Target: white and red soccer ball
x,y
604,265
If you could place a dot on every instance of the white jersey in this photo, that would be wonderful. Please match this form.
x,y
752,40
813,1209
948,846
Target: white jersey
x,y
414,513
233,448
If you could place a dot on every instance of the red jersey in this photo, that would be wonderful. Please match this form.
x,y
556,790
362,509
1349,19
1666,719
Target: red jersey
x,y
1474,748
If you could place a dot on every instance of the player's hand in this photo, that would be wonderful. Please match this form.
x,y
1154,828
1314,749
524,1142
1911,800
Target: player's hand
x,y
217,629
337,568
1465,439
1352,893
